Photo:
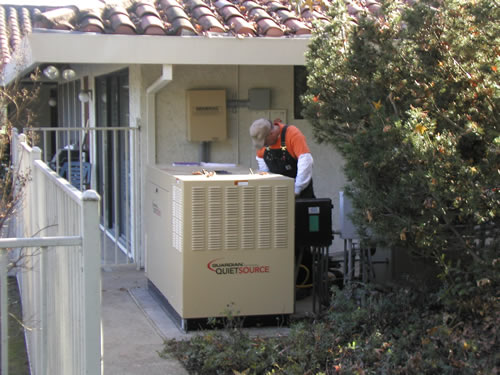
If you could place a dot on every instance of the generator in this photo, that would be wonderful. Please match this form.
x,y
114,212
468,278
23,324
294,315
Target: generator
x,y
219,241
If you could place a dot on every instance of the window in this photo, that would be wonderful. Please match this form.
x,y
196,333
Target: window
x,y
299,88
70,109
114,159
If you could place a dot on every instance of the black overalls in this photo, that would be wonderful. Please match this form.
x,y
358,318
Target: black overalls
x,y
280,161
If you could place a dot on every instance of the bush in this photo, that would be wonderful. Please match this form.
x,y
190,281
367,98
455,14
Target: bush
x,y
400,331
411,101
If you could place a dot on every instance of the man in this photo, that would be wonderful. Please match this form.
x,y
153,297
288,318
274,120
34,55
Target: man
x,y
283,149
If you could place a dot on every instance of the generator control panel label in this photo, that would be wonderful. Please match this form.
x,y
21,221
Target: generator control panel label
x,y
156,209
236,268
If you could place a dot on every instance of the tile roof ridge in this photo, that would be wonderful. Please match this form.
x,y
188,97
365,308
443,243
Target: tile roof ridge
x,y
4,42
26,24
15,32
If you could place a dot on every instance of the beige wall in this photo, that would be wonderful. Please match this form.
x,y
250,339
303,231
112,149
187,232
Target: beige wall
x,y
171,140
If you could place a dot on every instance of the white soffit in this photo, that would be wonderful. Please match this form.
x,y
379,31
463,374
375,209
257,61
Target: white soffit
x,y
143,49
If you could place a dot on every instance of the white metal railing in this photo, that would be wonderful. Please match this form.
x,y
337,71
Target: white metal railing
x,y
59,260
112,153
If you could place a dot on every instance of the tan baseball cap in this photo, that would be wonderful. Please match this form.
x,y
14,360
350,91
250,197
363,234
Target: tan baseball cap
x,y
259,130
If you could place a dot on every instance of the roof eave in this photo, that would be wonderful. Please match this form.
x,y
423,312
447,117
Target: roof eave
x,y
87,48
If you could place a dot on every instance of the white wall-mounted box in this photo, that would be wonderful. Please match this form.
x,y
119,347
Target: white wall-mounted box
x,y
206,115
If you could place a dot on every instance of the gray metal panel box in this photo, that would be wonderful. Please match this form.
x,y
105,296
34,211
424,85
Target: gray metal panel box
x,y
259,99
347,228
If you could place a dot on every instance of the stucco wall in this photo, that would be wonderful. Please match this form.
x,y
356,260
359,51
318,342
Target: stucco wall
x,y
171,140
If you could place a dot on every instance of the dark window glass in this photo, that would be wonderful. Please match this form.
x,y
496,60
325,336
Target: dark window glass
x,y
299,88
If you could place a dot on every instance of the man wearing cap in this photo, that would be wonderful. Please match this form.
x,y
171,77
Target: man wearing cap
x,y
283,149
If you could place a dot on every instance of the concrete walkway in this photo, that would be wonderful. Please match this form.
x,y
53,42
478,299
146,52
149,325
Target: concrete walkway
x,y
131,341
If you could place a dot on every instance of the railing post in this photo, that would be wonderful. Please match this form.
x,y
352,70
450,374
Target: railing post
x,y
44,326
91,248
4,312
36,154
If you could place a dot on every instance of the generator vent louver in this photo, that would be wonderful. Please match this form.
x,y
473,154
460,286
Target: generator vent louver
x,y
215,217
198,218
231,219
248,217
239,217
280,217
177,218
264,219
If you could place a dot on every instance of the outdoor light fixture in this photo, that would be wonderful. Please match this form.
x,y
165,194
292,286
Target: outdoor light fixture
x,y
68,74
84,96
52,102
51,72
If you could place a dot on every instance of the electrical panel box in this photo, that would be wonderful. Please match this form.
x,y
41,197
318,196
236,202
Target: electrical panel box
x,y
259,99
313,221
206,115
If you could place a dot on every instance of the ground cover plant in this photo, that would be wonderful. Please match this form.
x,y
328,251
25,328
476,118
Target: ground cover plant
x,y
410,97
399,331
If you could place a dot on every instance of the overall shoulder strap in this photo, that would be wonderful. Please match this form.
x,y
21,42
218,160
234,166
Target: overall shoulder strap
x,y
283,133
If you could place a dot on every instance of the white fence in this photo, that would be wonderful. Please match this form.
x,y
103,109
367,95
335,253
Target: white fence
x,y
57,233
111,154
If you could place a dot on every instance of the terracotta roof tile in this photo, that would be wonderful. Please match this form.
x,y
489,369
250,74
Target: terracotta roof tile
x,y
120,21
152,25
178,22
143,9
182,26
234,18
207,19
241,18
313,14
90,21
268,27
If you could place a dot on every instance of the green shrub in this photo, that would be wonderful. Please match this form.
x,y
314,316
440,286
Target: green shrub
x,y
411,100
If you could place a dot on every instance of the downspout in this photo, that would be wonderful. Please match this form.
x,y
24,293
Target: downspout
x,y
151,91
150,130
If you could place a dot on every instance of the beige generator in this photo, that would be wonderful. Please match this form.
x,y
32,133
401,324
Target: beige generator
x,y
219,241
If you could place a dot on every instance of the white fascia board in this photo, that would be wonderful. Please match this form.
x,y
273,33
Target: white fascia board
x,y
71,47
88,48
